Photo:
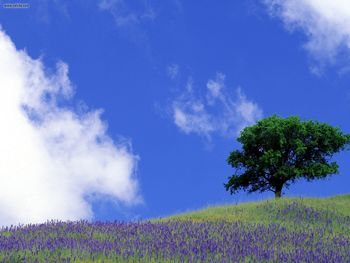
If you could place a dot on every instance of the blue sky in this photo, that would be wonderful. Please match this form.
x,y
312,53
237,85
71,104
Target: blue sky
x,y
176,81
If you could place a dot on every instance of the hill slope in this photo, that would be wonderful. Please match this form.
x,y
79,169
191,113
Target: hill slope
x,y
311,212
285,230
255,211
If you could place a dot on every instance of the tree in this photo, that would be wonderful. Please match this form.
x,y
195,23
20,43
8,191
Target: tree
x,y
277,151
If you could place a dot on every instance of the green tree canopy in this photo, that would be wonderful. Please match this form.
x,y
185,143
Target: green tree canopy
x,y
277,151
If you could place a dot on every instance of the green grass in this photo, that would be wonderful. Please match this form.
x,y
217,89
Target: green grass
x,y
265,211
325,218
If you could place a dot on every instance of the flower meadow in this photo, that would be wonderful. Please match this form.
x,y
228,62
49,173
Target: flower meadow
x,y
295,233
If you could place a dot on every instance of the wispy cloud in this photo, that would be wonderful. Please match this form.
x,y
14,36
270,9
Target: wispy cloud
x,y
47,10
52,157
325,23
124,15
215,112
172,71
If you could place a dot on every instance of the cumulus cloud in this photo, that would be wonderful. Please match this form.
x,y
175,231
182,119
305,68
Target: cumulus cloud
x,y
325,23
124,15
52,158
216,112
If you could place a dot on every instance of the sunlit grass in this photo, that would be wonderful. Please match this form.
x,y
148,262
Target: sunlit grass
x,y
282,230
255,212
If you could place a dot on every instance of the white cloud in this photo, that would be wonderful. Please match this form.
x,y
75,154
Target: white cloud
x,y
191,117
215,88
326,23
218,113
123,15
51,157
47,10
173,71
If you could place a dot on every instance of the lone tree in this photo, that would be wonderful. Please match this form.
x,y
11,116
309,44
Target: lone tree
x,y
278,151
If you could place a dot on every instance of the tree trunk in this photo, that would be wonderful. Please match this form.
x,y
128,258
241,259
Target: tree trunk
x,y
278,194
278,191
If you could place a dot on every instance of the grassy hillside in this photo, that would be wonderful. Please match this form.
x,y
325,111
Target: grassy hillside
x,y
285,230
333,213
264,211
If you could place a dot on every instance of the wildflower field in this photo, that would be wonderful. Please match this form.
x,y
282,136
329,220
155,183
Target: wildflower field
x,y
286,230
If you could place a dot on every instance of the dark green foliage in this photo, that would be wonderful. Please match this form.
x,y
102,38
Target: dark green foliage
x,y
278,151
